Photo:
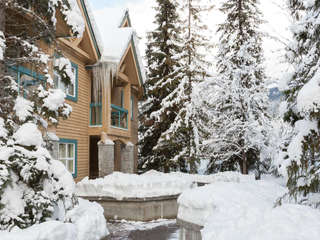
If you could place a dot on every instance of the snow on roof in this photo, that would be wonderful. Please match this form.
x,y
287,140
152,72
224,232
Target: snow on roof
x,y
95,29
116,39
116,44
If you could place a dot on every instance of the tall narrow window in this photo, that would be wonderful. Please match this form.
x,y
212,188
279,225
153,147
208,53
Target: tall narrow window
x,y
69,90
67,154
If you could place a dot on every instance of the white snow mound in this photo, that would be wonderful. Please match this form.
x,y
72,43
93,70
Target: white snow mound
x,y
88,223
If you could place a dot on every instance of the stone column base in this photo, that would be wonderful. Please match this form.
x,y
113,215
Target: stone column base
x,y
127,158
106,157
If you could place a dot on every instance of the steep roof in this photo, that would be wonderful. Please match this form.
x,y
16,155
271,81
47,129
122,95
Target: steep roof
x,y
94,32
117,38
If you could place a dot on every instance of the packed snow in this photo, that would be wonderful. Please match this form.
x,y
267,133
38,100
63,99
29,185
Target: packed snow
x,y
120,185
246,209
85,222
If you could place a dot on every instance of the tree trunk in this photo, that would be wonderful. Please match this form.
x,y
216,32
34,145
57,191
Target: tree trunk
x,y
244,163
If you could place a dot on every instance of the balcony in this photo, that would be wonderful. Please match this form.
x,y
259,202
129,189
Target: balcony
x,y
119,117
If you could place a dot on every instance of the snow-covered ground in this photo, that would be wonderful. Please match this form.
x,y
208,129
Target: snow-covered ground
x,y
150,184
88,223
245,209
161,229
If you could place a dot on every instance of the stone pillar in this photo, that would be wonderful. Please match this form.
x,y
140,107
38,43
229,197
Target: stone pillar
x,y
127,158
106,157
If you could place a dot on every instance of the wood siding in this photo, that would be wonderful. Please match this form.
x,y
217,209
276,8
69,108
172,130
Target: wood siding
x,y
76,127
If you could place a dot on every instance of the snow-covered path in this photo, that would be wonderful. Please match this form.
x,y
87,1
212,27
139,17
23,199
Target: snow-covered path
x,y
155,230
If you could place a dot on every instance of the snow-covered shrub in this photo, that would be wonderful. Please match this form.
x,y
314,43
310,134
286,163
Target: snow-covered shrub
x,y
34,188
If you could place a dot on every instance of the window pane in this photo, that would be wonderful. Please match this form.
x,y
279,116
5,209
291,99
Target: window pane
x,y
70,166
62,86
71,90
28,83
70,150
62,150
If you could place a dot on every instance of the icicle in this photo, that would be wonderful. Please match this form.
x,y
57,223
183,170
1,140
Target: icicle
x,y
103,76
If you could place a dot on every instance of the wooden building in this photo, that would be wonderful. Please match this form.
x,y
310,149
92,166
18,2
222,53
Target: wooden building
x,y
101,134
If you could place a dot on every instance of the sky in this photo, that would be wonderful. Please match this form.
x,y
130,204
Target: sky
x,y
277,23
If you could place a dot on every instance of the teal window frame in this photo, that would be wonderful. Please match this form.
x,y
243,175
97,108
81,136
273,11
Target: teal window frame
x,y
23,70
76,84
99,105
120,112
75,142
75,97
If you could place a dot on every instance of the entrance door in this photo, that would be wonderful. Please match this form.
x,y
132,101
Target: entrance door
x,y
94,159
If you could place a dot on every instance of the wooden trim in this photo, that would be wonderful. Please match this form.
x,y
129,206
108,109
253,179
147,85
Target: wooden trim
x,y
92,37
82,54
123,77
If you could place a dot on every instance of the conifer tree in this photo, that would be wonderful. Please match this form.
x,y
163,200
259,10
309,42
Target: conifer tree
x,y
239,120
28,105
185,134
164,74
303,104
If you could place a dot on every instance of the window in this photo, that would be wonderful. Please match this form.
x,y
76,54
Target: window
x,y
26,79
72,89
68,154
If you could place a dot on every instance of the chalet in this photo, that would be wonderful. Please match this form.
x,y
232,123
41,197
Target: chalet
x,y
101,134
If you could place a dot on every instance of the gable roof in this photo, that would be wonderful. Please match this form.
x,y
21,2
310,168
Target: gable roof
x,y
93,29
117,39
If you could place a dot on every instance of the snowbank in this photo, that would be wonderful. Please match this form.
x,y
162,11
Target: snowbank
x,y
244,209
150,184
120,185
196,205
88,223
287,222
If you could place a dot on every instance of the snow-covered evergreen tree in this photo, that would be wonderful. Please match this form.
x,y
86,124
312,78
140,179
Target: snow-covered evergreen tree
x,y
184,134
164,74
303,104
33,186
239,100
